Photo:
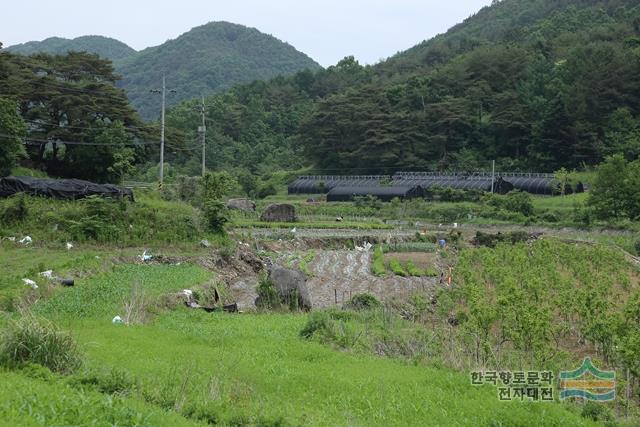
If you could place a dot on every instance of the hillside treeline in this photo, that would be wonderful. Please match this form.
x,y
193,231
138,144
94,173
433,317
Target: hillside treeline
x,y
537,85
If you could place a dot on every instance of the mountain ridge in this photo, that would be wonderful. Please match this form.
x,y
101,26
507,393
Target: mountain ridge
x,y
205,60
105,47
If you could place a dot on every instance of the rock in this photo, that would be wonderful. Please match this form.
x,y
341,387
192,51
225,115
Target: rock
x,y
205,243
245,205
279,213
287,281
252,260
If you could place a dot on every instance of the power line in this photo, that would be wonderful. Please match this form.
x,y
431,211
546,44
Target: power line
x,y
44,123
36,141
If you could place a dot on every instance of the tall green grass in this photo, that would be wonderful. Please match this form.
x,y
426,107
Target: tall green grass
x,y
255,369
30,401
104,296
150,219
28,339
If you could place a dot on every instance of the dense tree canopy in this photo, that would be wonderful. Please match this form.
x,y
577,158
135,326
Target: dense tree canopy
x,y
78,121
536,85
12,131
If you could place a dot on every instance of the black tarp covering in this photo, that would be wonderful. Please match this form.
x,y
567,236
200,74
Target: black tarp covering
x,y
541,184
59,188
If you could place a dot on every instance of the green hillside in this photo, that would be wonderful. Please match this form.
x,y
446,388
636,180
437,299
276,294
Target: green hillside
x,y
209,58
103,46
537,85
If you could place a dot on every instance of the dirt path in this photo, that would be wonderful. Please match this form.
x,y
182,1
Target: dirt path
x,y
338,275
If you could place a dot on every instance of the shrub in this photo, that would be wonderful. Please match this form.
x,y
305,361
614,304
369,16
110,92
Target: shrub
x,y
549,217
363,302
396,267
227,249
99,219
268,297
214,187
216,215
596,412
492,240
636,246
378,267
32,340
266,190
319,321
14,211
368,201
516,201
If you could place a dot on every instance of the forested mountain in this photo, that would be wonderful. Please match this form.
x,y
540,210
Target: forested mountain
x,y
537,85
103,46
210,58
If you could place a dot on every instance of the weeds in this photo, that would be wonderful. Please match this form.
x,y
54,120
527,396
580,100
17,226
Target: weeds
x,y
268,297
431,272
33,340
150,219
377,266
114,381
303,265
135,308
363,302
15,210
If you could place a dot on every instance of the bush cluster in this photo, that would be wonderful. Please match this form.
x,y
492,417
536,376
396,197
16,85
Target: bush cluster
x,y
33,340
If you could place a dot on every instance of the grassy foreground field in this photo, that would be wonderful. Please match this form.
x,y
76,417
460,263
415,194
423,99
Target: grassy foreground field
x,y
187,367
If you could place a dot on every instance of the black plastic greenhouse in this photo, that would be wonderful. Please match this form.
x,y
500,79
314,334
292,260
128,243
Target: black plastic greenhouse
x,y
541,184
324,184
385,194
458,182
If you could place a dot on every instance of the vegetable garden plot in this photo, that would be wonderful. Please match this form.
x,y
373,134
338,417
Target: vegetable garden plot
x,y
338,275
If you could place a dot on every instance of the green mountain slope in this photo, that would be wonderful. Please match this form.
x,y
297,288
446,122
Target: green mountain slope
x,y
207,59
103,46
536,85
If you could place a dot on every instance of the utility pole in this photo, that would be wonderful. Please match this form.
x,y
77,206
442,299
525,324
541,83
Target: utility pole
x,y
202,131
493,174
164,96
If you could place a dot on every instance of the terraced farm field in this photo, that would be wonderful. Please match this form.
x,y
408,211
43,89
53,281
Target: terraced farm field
x,y
337,275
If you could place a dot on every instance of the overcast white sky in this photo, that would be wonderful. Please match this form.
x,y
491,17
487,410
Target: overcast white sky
x,y
326,30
